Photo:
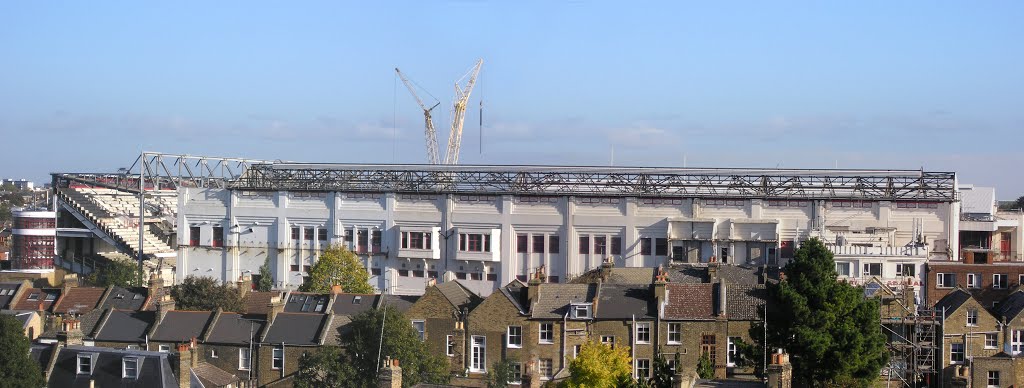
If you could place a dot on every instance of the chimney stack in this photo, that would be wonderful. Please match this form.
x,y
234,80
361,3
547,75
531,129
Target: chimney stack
x,y
187,359
70,333
163,305
661,287
431,282
336,289
722,297
390,375
713,270
606,269
780,371
155,284
533,289
276,307
244,285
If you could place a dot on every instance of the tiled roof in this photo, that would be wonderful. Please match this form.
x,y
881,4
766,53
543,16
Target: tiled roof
x,y
699,273
125,326
79,300
181,326
257,302
743,301
157,295
37,299
458,295
213,376
625,302
296,329
235,328
690,301
553,299
953,301
619,276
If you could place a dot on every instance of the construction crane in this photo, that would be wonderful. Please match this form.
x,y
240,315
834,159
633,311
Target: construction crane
x,y
459,113
428,132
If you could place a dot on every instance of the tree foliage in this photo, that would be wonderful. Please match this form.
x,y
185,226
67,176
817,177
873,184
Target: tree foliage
x,y
705,369
266,282
500,374
819,320
204,293
599,365
122,273
17,369
1018,204
360,358
338,266
661,371
323,368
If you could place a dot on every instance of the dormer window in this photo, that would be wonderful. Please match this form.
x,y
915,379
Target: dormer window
x,y
581,311
33,296
85,362
357,300
51,297
130,368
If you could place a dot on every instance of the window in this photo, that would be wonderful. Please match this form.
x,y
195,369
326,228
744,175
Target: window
x,y
85,364
547,333
546,368
600,245
362,241
164,348
732,353
645,246
517,373
193,236
553,244
991,341
33,296
974,280
213,353
307,234
243,359
707,346
1016,342
584,245
278,358
643,332
375,244
1000,281
538,243
872,269
616,245
515,337
843,269
956,353
643,368
581,311
661,247
945,280
295,233
608,340
674,333
993,378
905,270
130,368
1020,279
478,357
972,317
321,234
218,236
449,341
421,328
522,242
474,242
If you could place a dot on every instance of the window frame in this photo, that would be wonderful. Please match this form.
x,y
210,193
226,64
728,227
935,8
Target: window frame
x,y
1000,285
546,368
993,378
124,368
972,317
674,330
584,245
616,245
164,348
974,280
246,357
844,264
545,333
646,367
608,340
478,354
449,345
957,349
537,243
994,343
731,351
517,373
509,336
939,283
277,357
78,365
421,329
554,244
644,329
646,246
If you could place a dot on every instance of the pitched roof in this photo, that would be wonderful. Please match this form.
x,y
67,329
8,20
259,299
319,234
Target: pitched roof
x,y
1010,307
952,301
235,328
7,291
258,302
628,275
625,302
743,301
79,300
181,326
399,302
157,295
458,295
553,299
125,326
125,299
352,304
212,376
22,316
37,299
515,291
690,301
154,370
296,329
731,273
303,302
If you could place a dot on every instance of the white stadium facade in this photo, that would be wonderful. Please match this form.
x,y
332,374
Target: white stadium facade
x,y
488,225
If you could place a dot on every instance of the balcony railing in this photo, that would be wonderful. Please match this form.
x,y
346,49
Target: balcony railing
x,y
852,250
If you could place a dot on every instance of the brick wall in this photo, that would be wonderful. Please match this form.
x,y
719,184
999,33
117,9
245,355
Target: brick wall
x,y
986,294
491,319
439,316
956,331
279,377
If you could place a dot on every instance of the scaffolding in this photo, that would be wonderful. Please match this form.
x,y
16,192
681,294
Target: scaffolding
x,y
911,339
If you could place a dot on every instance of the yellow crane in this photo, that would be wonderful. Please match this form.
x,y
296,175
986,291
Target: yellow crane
x,y
429,132
459,113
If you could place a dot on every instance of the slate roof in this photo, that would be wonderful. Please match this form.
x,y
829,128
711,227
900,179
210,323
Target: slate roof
x,y
7,291
125,299
296,329
302,302
553,299
257,302
619,276
33,298
400,302
79,300
181,326
154,370
743,301
352,304
235,328
625,302
691,301
125,326
952,301
458,295
1010,307
22,316
516,293
212,376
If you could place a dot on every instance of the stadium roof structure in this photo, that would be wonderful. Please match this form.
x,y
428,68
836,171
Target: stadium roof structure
x,y
173,171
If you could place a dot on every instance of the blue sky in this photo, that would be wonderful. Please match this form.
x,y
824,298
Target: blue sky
x,y
86,86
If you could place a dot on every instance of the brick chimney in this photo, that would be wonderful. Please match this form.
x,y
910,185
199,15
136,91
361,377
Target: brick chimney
x,y
156,284
431,282
722,297
276,307
390,375
70,333
188,358
713,270
661,287
336,289
606,268
533,288
164,305
244,285
780,371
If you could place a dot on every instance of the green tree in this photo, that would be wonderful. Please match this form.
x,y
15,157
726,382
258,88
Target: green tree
x,y
17,369
338,266
819,320
401,342
122,273
323,368
266,281
204,293
662,372
500,374
598,365
705,369
1018,204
